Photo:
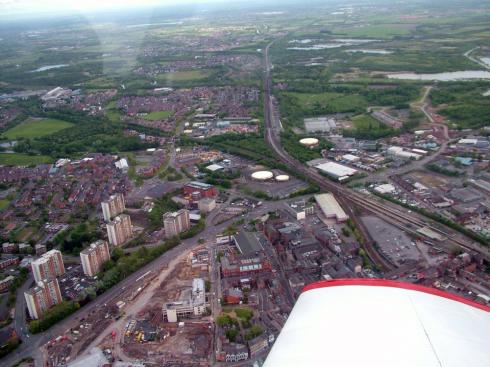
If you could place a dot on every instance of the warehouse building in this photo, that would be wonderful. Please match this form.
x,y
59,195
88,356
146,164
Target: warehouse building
x,y
336,171
330,207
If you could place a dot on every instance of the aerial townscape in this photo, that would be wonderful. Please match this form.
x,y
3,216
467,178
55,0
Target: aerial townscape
x,y
175,178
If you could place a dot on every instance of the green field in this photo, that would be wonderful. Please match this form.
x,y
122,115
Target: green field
x,y
183,76
159,115
375,31
18,159
32,128
366,122
337,102
4,203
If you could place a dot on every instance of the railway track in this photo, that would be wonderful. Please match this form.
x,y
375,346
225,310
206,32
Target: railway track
x,y
401,218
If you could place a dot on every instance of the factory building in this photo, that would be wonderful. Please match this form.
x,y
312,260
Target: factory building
x,y
48,266
119,230
336,171
193,304
177,222
42,297
203,189
330,207
93,257
401,153
112,207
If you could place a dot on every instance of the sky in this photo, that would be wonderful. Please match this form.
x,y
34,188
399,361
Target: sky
x,y
82,6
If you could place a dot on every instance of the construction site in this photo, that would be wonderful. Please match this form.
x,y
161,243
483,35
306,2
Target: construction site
x,y
132,327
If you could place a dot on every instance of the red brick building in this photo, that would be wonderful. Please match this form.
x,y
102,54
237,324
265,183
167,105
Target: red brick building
x,y
205,190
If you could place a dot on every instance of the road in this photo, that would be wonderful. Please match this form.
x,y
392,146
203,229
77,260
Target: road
x,y
405,220
467,54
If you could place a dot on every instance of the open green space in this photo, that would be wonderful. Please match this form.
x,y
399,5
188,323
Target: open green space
x,y
34,128
183,76
19,159
374,31
366,122
4,203
158,115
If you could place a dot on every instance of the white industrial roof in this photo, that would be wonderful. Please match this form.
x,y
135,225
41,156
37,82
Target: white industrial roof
x,y
385,188
335,169
330,207
380,323
214,167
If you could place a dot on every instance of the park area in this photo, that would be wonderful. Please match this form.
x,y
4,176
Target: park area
x,y
34,128
17,159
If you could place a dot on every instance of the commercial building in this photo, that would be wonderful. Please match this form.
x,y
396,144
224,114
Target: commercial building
x,y
112,207
193,304
319,124
244,265
301,209
446,329
206,205
119,230
49,265
337,171
330,207
247,243
205,190
385,189
176,222
43,296
93,257
401,153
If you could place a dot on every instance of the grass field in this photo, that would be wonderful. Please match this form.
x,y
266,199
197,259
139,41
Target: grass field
x,y
337,101
183,76
375,31
112,112
4,203
159,115
366,122
18,159
36,128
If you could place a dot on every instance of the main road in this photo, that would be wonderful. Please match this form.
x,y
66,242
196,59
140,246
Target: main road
x,y
402,218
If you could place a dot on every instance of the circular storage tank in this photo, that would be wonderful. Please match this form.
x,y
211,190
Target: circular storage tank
x,y
262,175
309,142
282,178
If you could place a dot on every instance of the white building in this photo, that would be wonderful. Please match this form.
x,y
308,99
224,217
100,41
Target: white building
x,y
385,189
330,207
401,153
337,171
192,305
